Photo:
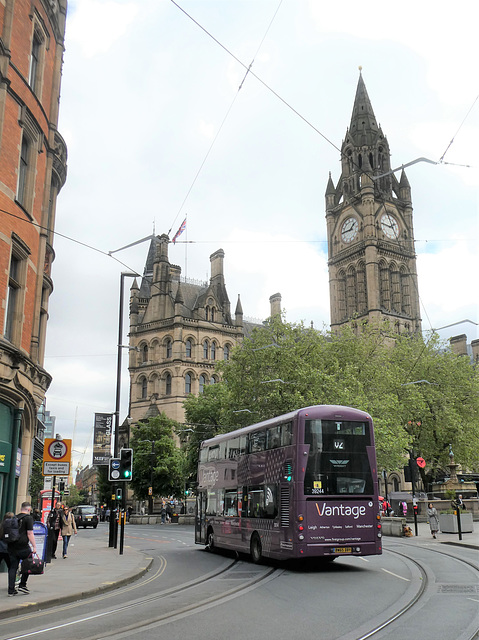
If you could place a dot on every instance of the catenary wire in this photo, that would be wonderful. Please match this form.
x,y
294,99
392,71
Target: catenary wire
x,y
224,120
441,159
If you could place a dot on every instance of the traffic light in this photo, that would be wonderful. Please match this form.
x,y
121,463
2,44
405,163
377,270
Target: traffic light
x,y
119,494
126,464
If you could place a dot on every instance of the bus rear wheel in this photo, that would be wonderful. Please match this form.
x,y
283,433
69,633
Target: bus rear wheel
x,y
256,548
210,540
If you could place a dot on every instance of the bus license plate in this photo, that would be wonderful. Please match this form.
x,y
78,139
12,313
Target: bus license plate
x,y
343,550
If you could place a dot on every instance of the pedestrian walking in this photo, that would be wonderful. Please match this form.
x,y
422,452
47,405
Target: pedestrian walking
x,y
432,519
54,523
169,512
4,555
68,528
21,549
163,513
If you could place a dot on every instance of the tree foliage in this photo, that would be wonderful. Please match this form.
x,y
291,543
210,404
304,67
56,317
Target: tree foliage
x,y
36,482
284,366
164,469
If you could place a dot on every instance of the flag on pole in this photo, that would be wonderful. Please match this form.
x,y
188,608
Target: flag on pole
x,y
180,230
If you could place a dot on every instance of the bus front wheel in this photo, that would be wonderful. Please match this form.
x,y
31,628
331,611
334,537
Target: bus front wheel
x,y
210,540
256,548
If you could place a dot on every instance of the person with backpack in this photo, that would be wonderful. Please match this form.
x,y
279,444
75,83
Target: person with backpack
x,y
21,545
4,555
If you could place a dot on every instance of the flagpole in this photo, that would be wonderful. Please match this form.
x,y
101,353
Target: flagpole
x,y
186,247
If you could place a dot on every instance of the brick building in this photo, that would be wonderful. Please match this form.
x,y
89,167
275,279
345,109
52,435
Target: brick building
x,y
32,171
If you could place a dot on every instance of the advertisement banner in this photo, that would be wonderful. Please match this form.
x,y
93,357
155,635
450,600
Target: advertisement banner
x,y
102,438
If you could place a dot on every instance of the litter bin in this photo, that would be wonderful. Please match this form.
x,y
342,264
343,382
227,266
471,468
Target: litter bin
x,y
174,518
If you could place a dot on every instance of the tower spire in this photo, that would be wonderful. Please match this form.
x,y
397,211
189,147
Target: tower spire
x,y
363,127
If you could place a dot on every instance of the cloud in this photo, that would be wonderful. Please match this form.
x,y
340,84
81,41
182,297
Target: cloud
x,y
96,26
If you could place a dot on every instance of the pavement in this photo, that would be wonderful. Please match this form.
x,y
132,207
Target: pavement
x,y
93,567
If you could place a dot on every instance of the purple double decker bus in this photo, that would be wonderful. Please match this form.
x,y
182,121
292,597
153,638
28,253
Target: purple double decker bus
x,y
300,485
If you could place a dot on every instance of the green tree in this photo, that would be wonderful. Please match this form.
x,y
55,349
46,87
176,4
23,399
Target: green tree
x,y
74,497
206,415
284,366
164,470
36,482
103,484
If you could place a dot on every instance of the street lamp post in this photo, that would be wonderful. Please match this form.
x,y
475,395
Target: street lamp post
x,y
113,531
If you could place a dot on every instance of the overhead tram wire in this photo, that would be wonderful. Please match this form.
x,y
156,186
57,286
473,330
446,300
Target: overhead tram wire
x,y
441,159
248,69
225,118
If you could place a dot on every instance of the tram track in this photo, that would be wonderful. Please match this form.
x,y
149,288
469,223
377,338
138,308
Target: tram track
x,y
250,578
416,599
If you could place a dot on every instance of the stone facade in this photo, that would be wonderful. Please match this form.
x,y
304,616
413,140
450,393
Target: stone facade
x,y
32,172
179,330
372,262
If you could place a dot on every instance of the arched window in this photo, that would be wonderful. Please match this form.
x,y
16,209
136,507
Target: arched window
x,y
207,312
144,353
187,383
144,388
23,171
168,348
213,313
395,289
214,380
168,384
188,347
351,305
205,349
362,292
406,292
342,295
203,382
213,350
226,352
384,286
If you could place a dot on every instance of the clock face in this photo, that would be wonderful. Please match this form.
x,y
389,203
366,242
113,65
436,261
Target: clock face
x,y
389,226
349,229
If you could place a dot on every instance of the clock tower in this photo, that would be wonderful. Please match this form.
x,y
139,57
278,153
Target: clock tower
x,y
371,256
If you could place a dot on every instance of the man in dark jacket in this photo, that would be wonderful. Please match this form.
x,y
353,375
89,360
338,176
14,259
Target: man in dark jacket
x,y
54,523
21,549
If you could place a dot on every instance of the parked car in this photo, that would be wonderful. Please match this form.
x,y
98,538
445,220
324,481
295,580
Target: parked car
x,y
86,516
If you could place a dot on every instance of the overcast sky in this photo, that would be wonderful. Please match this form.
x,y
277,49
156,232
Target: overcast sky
x,y
157,129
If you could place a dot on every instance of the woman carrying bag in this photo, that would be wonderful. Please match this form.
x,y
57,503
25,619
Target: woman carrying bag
x,y
68,528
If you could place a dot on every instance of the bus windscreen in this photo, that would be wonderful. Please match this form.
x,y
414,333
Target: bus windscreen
x,y
338,462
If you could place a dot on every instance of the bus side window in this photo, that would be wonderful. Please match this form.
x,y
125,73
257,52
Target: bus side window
x,y
256,502
211,503
213,453
273,440
242,445
287,434
257,441
203,454
270,501
232,451
231,503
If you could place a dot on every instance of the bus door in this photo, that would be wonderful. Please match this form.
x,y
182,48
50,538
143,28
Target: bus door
x,y
200,519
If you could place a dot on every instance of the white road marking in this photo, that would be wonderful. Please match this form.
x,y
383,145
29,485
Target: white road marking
x,y
396,575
